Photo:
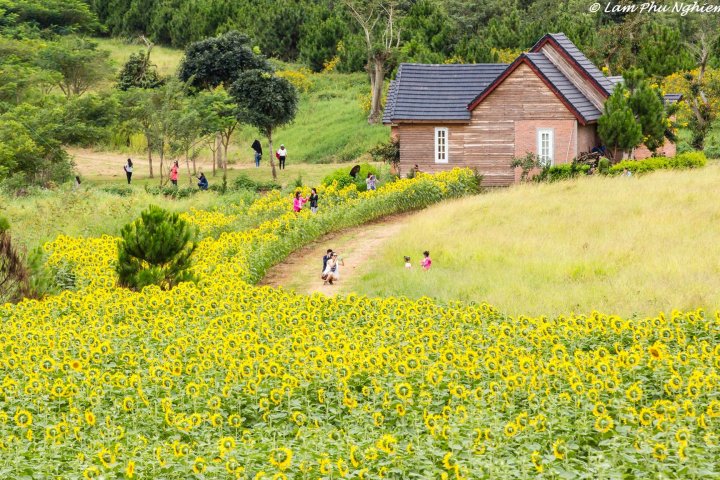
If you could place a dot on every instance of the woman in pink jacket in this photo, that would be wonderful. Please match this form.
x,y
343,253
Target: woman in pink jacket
x,y
298,202
174,173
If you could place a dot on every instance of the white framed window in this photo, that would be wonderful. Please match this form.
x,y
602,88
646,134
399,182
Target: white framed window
x,y
441,145
546,146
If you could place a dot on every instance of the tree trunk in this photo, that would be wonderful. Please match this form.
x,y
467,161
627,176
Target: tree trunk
x,y
162,159
219,159
149,151
225,146
272,155
377,77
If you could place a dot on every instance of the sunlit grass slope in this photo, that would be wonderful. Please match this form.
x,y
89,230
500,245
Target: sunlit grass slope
x,y
617,245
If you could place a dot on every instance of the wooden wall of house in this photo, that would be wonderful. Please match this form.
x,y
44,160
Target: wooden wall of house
x,y
587,138
488,141
582,83
518,106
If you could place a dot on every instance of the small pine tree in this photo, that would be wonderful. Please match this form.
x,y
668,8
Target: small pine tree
x,y
138,72
617,127
156,249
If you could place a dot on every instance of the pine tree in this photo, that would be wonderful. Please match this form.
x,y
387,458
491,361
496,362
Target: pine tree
x,y
156,249
647,106
617,127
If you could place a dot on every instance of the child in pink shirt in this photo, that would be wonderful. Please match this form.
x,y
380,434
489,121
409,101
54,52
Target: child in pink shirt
x,y
426,262
298,202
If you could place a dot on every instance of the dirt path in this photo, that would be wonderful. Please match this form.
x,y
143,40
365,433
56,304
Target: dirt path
x,y
301,270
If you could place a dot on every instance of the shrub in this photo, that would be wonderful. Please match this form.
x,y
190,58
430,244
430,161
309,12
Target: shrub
x,y
155,250
712,150
527,162
120,191
604,165
387,152
343,178
681,161
562,172
243,182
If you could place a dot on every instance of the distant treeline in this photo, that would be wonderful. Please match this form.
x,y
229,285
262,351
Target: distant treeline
x,y
315,32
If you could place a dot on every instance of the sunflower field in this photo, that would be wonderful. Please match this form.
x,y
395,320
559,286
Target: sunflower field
x,y
223,379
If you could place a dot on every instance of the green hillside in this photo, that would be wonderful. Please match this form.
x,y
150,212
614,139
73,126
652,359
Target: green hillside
x,y
330,126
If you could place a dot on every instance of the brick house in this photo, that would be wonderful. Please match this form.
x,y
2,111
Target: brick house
x,y
547,101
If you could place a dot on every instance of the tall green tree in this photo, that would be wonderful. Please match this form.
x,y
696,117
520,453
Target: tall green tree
x,y
219,61
78,61
380,23
266,102
647,106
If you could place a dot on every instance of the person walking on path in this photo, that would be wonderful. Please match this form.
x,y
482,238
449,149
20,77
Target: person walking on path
x,y
174,173
370,181
426,262
258,152
202,182
128,167
314,200
281,156
298,202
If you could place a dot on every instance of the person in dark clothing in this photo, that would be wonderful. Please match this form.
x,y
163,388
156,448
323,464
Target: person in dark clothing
x,y
128,167
326,257
314,200
202,182
258,152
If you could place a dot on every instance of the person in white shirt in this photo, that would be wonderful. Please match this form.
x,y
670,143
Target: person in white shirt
x,y
281,156
128,167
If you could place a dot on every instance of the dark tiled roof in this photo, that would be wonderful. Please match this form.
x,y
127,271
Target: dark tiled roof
x,y
671,98
437,92
390,102
579,58
668,98
574,97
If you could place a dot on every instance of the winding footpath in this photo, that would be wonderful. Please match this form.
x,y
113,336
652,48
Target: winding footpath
x,y
301,270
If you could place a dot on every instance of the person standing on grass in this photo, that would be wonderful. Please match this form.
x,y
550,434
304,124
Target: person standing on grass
x,y
370,181
281,156
174,173
314,200
426,262
258,152
298,202
128,167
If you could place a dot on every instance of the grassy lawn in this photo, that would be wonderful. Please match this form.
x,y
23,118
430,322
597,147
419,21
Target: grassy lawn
x,y
617,245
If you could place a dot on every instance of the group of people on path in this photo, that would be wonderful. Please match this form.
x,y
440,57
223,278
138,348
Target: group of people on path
x,y
331,267
174,172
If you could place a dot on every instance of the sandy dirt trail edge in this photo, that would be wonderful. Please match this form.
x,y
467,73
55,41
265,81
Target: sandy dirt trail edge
x,y
301,270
